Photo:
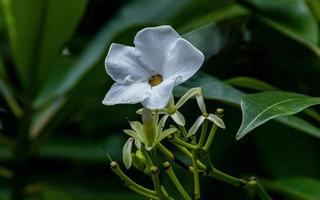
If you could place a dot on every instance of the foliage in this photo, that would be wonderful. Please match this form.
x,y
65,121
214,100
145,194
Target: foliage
x,y
52,82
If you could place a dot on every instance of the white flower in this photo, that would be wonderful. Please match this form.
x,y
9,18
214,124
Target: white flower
x,y
148,72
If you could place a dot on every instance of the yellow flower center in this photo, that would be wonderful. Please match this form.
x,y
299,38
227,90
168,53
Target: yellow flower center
x,y
155,80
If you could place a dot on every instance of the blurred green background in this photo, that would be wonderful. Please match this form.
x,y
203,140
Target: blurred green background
x,y
52,81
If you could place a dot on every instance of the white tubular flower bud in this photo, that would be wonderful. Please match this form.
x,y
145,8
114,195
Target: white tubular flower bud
x,y
149,127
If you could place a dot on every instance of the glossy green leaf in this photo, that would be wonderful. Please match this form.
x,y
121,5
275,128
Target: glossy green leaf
x,y
292,15
38,29
314,6
301,188
216,89
217,15
261,107
250,83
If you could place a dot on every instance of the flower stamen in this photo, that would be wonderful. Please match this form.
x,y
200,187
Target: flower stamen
x,y
155,80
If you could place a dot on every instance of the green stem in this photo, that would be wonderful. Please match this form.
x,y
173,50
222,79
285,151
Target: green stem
x,y
117,170
166,151
253,183
257,187
154,177
148,196
196,175
203,133
189,154
210,137
215,173
175,180
187,145
183,130
165,193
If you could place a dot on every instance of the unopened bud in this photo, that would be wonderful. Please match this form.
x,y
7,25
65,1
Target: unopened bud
x,y
219,112
166,165
113,164
154,169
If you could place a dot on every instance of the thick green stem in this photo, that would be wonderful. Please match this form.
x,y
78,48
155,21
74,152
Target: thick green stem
x,y
183,131
196,175
148,196
187,145
129,182
210,137
215,173
175,180
189,154
203,133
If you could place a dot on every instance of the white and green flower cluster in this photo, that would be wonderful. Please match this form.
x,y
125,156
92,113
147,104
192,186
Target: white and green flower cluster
x,y
147,74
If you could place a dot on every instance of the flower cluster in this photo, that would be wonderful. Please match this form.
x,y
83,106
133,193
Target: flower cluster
x,y
147,74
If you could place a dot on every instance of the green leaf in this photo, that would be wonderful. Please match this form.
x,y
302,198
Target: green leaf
x,y
250,83
314,6
301,188
217,15
7,92
292,18
261,107
38,29
292,15
216,89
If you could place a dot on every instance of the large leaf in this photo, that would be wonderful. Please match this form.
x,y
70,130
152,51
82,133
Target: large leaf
x,y
38,29
216,89
261,107
295,188
290,17
250,83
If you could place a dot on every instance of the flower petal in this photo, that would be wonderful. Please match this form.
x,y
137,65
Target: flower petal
x,y
194,128
182,61
151,45
123,93
160,95
189,94
126,153
178,118
215,119
122,64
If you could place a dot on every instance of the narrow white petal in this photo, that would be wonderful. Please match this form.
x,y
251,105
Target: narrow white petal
x,y
194,128
151,45
178,118
137,143
182,61
136,126
134,135
215,119
127,93
123,65
201,103
191,93
160,95
126,153
166,133
162,123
